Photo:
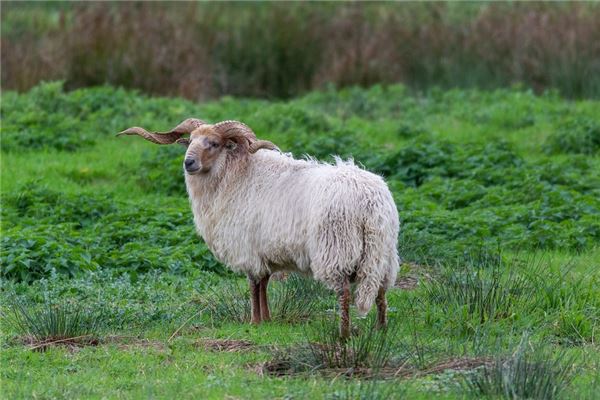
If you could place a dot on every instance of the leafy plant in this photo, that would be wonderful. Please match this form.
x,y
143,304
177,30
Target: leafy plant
x,y
577,136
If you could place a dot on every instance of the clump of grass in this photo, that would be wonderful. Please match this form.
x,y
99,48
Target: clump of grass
x,y
370,348
294,300
365,353
474,296
526,374
61,324
229,302
571,305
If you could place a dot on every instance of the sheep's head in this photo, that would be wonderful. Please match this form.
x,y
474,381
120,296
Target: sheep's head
x,y
208,145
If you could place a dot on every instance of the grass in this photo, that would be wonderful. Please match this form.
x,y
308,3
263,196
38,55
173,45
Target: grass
x,y
295,300
365,353
526,374
62,324
499,231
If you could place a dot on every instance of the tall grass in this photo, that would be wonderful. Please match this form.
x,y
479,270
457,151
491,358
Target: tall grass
x,y
200,50
369,348
366,353
52,324
526,374
476,295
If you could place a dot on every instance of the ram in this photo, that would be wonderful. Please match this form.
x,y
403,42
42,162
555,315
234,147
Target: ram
x,y
261,211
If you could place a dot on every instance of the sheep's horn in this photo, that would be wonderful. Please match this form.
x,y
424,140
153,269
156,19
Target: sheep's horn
x,y
167,137
229,129
262,144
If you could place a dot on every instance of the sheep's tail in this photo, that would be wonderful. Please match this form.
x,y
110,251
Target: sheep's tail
x,y
379,263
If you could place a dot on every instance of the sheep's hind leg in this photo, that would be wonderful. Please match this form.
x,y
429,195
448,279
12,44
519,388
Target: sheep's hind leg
x,y
344,299
265,314
381,308
255,300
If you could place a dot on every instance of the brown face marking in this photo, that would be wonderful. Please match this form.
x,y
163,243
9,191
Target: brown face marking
x,y
205,146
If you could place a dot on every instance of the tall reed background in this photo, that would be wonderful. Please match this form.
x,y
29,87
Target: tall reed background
x,y
206,50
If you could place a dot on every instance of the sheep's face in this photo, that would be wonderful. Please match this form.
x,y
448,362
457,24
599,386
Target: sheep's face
x,y
206,151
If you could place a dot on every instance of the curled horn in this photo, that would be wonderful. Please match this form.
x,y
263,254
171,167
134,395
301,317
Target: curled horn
x,y
167,137
262,144
236,129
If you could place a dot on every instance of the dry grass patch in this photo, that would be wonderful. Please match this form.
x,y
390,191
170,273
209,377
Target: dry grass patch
x,y
70,343
224,345
410,275
279,367
134,343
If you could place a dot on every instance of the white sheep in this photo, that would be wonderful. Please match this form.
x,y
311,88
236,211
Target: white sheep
x,y
261,212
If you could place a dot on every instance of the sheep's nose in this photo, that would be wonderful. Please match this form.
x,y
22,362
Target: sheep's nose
x,y
189,162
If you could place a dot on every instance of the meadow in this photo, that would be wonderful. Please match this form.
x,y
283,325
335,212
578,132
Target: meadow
x,y
107,292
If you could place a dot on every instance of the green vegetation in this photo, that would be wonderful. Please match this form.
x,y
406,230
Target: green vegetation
x,y
498,194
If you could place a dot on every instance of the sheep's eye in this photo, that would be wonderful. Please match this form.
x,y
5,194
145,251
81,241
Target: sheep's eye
x,y
210,144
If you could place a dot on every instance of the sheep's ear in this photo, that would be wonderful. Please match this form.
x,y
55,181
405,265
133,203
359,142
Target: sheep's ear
x,y
230,145
185,142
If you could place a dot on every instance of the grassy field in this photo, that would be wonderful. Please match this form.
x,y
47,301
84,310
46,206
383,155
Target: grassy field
x,y
499,199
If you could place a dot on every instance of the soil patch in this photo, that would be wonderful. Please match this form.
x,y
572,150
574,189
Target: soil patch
x,y
133,342
226,345
410,280
283,368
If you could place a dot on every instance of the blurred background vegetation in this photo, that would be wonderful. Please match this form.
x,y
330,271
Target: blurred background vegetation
x,y
279,50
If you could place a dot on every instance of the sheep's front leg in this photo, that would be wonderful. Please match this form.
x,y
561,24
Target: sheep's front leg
x,y
265,314
344,299
255,299
381,308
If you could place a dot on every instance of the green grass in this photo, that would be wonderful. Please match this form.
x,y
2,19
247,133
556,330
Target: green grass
x,y
500,213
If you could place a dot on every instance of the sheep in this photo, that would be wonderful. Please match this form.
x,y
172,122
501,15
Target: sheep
x,y
260,211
